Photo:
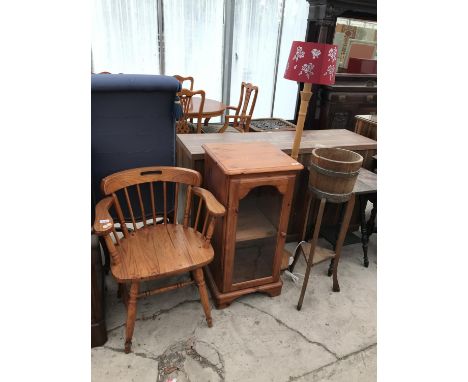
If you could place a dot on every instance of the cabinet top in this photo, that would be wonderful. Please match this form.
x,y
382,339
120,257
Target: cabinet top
x,y
250,158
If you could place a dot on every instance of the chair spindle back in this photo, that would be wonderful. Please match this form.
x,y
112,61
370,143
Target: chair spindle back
x,y
243,121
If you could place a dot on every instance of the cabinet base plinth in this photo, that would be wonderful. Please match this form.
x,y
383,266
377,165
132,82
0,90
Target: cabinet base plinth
x,y
223,300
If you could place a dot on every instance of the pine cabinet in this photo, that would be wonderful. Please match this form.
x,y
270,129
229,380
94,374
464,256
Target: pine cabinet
x,y
255,183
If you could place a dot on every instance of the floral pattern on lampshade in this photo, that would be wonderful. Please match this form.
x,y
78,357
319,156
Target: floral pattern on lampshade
x,y
312,62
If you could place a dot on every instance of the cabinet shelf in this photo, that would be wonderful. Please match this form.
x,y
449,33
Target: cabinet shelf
x,y
252,224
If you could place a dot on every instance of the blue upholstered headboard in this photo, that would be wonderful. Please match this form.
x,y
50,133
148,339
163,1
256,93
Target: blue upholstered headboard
x,y
132,123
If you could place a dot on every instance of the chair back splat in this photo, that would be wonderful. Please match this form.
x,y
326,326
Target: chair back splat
x,y
183,126
143,182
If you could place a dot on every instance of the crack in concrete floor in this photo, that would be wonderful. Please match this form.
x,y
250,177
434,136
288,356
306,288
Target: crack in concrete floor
x,y
292,329
156,314
173,356
340,359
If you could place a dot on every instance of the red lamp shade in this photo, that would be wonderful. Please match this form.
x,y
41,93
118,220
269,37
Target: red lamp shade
x,y
312,62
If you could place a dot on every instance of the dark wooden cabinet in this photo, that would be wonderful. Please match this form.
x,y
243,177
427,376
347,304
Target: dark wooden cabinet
x,y
334,107
98,319
255,183
352,94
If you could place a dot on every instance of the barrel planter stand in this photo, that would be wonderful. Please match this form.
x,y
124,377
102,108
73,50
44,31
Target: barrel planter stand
x,y
332,175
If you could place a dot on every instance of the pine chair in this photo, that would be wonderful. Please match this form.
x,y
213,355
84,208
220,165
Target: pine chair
x,y
182,79
155,248
240,121
185,123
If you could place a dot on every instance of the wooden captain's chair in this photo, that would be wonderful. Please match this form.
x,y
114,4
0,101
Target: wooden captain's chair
x,y
155,248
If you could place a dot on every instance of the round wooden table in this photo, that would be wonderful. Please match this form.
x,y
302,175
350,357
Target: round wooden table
x,y
211,108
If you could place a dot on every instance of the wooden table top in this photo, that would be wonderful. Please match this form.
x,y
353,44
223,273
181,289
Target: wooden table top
x,y
366,182
250,158
311,139
211,108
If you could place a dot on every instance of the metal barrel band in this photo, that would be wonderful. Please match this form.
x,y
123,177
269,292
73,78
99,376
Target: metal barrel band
x,y
336,198
336,174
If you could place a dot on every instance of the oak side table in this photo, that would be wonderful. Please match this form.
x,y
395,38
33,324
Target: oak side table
x,y
255,183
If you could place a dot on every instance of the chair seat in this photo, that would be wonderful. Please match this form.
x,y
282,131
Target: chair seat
x,y
214,128
160,250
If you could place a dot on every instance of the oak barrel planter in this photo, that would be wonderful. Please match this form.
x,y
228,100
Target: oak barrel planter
x,y
333,172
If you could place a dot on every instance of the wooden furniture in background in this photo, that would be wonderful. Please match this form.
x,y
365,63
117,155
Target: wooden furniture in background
x,y
242,112
255,182
98,309
351,95
155,248
211,108
190,154
366,125
182,79
338,112
366,191
185,123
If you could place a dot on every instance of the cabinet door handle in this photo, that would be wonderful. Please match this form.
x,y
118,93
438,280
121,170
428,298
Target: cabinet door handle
x,y
283,234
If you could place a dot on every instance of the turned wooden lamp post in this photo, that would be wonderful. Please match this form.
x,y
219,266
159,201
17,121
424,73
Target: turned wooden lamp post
x,y
310,63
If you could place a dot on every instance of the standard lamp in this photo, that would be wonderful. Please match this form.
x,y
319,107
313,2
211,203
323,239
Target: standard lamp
x,y
310,63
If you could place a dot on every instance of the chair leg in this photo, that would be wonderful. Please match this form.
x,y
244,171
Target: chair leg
x,y
131,315
198,275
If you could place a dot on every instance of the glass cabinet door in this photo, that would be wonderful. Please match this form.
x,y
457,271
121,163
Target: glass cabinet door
x,y
258,219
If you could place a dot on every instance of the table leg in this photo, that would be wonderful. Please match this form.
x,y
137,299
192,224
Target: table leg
x,y
206,121
341,237
371,221
364,232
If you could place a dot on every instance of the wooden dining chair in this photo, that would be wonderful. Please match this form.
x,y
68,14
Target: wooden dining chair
x,y
182,79
185,124
240,121
155,248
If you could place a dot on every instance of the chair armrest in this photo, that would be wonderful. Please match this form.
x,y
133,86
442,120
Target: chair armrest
x,y
103,223
214,207
231,107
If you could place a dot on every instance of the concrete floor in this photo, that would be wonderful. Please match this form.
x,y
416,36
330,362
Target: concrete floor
x,y
257,338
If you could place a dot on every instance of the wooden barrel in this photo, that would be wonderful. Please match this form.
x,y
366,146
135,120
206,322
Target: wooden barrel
x,y
333,172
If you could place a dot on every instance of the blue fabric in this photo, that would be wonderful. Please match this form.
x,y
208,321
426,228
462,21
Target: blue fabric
x,y
132,124
178,111
134,82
